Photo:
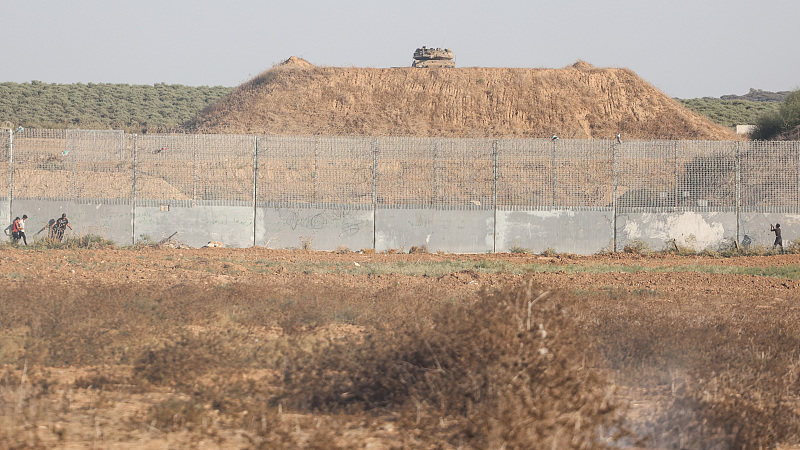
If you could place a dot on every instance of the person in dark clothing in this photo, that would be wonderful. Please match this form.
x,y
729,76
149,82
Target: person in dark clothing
x,y
59,226
778,239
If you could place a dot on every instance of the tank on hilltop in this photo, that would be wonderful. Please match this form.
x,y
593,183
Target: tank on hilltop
x,y
425,57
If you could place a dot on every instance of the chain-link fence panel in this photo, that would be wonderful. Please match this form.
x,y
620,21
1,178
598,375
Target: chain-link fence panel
x,y
287,170
345,171
100,169
166,169
706,175
223,170
528,174
583,174
647,174
770,176
525,171
316,171
464,173
41,168
405,172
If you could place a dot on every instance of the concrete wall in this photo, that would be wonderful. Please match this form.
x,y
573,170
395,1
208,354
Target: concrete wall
x,y
565,231
197,225
319,228
110,221
697,230
5,216
454,231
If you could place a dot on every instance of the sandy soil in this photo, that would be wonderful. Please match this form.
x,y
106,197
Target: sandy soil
x,y
165,266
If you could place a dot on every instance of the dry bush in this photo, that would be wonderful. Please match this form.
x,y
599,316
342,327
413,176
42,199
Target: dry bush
x,y
730,375
505,372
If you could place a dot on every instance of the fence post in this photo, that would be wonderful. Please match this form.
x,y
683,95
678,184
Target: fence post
x,y
255,188
133,192
614,181
494,197
375,194
11,171
738,191
553,174
194,168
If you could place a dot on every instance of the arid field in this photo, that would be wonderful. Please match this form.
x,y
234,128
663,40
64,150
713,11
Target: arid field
x,y
154,347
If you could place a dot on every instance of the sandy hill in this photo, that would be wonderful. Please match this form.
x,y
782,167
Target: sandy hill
x,y
580,101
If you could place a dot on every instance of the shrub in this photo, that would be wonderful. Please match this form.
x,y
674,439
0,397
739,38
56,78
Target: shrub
x,y
637,246
787,118
505,372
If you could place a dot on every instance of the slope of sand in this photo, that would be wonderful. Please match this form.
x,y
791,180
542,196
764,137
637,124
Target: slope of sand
x,y
579,101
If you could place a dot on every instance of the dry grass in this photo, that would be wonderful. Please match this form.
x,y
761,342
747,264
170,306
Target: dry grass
x,y
576,102
256,365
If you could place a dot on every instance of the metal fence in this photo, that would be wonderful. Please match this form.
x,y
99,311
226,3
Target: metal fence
x,y
505,174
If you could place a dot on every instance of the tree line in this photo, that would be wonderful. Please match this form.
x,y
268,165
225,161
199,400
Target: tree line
x,y
132,108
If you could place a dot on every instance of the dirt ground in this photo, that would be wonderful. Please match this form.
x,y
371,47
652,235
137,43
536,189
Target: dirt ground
x,y
102,419
167,266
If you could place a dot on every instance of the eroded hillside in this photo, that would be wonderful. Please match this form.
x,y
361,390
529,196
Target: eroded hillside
x,y
580,101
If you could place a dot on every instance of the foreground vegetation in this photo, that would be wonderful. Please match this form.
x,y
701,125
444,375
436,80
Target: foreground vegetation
x,y
519,368
285,356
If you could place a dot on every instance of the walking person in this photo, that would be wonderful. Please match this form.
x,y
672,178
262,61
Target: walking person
x,y
21,230
59,226
778,239
15,230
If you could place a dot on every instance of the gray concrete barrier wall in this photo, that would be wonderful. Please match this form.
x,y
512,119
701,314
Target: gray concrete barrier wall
x,y
689,229
196,225
5,215
455,231
321,228
563,231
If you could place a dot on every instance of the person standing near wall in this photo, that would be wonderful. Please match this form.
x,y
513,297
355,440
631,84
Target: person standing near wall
x,y
778,239
21,228
59,226
15,230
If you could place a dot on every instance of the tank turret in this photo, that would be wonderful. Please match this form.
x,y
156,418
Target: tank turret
x,y
433,57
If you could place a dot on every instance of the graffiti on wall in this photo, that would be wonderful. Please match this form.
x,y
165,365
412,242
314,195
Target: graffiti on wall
x,y
344,220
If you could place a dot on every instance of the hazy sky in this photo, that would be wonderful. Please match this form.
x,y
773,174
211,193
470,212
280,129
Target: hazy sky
x,y
686,48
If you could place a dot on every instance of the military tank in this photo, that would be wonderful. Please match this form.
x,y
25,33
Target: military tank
x,y
425,57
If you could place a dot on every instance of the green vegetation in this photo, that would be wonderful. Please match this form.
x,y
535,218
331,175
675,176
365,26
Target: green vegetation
x,y
132,108
730,113
785,118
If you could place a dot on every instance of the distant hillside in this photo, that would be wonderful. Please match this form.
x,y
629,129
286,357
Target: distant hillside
x,y
757,95
730,113
579,101
133,108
